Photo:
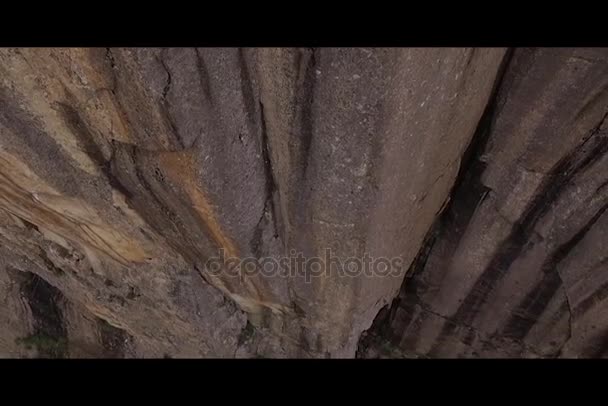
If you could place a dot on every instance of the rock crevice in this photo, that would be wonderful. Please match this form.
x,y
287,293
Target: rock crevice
x,y
124,173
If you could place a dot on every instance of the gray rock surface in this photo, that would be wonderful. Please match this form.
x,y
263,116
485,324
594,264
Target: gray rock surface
x,y
516,265
124,171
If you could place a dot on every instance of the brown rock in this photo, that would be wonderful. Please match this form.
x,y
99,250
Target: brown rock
x,y
516,264
124,171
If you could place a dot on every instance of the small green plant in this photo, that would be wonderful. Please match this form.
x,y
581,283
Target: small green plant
x,y
47,346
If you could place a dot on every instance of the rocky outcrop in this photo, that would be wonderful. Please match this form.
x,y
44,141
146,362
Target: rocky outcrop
x,y
125,174
516,266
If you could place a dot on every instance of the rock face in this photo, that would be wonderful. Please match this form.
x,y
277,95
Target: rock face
x,y
480,175
517,264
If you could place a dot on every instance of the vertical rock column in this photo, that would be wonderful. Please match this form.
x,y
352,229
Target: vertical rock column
x,y
365,145
517,264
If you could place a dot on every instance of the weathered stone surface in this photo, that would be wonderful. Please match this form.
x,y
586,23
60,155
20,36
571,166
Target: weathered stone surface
x,y
369,159
123,171
516,266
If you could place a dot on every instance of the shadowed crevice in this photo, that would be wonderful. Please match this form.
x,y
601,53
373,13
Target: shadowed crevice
x,y
44,300
465,196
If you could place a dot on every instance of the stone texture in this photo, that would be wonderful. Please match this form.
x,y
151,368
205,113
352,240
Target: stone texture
x,y
122,171
516,265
